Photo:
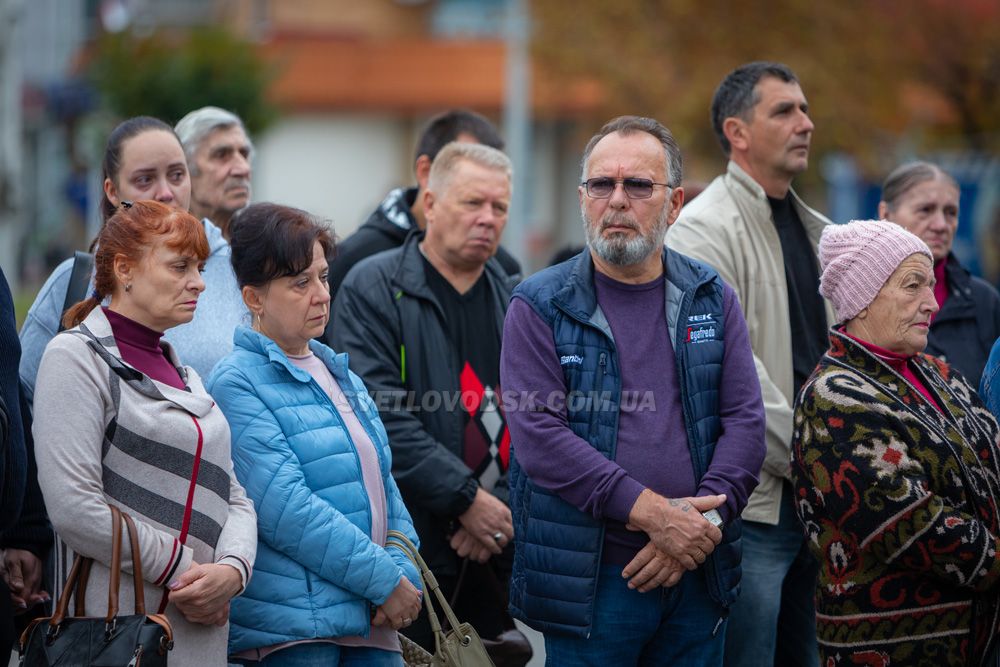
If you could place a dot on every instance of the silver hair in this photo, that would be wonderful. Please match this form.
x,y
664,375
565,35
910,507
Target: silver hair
x,y
452,154
627,125
909,175
194,127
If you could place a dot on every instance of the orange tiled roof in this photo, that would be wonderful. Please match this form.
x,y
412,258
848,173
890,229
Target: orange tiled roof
x,y
407,75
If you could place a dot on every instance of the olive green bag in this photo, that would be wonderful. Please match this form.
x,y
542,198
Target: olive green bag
x,y
460,645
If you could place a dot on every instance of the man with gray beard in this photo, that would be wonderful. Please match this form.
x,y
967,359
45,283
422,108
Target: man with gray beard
x,y
626,510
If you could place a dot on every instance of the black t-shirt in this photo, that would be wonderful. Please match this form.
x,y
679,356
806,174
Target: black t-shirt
x,y
470,320
806,313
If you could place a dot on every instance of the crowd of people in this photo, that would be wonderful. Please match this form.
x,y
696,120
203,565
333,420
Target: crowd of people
x,y
759,439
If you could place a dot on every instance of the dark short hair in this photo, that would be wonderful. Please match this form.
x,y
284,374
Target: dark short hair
x,y
271,241
737,95
907,176
444,128
626,125
112,162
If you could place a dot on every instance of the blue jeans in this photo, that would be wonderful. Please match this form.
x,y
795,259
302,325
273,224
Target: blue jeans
x,y
774,620
679,626
322,654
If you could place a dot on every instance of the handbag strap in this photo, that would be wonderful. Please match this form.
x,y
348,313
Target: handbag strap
x,y
80,574
137,582
116,563
402,542
494,586
63,606
80,597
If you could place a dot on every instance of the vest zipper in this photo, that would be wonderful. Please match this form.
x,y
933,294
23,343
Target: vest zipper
x,y
602,368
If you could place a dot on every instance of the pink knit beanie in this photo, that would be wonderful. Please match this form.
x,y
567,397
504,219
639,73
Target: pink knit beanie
x,y
858,258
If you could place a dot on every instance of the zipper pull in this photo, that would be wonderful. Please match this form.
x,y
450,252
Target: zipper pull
x,y
136,657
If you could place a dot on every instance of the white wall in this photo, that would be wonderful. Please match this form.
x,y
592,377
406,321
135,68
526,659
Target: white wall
x,y
338,167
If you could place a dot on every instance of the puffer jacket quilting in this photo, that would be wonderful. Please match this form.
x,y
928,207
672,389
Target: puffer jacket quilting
x,y
317,571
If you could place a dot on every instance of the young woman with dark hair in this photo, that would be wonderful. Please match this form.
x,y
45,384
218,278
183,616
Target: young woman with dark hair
x,y
143,159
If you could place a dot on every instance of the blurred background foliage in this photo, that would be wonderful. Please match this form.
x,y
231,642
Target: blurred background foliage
x,y
883,77
166,75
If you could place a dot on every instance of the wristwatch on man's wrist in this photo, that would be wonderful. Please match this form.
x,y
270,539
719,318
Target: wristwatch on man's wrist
x,y
713,517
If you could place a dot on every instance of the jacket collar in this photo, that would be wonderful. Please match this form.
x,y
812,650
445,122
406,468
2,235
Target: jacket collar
x,y
959,279
393,215
745,181
252,341
409,275
579,296
96,331
846,351
811,220
216,241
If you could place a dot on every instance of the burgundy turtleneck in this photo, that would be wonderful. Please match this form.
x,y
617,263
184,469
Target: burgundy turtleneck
x,y
140,348
899,363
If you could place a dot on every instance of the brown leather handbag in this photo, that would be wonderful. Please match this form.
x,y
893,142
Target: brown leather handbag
x,y
139,640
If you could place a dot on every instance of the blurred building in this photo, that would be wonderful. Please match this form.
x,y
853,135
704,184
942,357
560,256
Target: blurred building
x,y
356,83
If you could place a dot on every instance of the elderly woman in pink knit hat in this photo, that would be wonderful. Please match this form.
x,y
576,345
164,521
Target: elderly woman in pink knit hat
x,y
895,464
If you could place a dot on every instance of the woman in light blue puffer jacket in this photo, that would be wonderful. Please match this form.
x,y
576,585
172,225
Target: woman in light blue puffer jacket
x,y
312,453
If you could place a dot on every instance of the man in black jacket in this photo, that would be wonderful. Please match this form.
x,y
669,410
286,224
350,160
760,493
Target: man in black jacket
x,y
12,454
422,325
402,210
25,533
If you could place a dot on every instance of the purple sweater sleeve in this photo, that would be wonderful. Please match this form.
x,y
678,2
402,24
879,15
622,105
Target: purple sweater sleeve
x,y
739,452
546,448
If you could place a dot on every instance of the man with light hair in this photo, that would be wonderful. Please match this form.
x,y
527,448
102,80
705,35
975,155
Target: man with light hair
x,y
636,423
402,210
422,325
218,154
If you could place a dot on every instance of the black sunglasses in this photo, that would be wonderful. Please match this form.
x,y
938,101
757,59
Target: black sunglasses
x,y
603,187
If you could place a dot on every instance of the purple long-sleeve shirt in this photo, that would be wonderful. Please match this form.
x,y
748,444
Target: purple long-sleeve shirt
x,y
652,450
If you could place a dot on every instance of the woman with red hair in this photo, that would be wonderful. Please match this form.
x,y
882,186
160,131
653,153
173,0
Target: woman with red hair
x,y
120,421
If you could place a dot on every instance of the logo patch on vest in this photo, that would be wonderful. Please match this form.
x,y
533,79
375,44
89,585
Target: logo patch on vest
x,y
701,329
570,359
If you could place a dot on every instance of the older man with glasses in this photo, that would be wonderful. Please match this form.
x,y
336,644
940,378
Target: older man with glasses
x,y
637,429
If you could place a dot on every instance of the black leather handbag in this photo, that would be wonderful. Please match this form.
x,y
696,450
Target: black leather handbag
x,y
139,640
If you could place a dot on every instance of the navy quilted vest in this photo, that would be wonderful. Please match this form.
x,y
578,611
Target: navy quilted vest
x,y
558,547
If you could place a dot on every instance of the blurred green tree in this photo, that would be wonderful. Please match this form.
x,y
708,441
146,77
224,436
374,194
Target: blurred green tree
x,y
166,75
879,74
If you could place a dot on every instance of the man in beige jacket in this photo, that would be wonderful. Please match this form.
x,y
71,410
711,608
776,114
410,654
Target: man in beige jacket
x,y
751,227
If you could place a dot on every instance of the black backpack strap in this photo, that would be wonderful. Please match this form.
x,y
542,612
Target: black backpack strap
x,y
79,280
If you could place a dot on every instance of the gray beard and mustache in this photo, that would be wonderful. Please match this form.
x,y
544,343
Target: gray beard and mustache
x,y
618,249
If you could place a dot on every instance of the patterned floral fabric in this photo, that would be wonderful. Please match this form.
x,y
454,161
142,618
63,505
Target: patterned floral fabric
x,y
900,505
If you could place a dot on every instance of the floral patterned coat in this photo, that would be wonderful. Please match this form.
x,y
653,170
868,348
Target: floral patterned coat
x,y
900,505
